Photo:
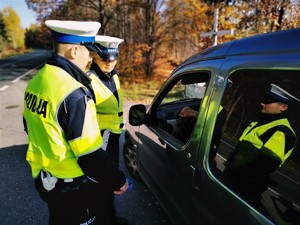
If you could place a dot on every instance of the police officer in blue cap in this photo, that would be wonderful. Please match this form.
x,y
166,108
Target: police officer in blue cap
x,y
263,146
108,92
109,98
64,142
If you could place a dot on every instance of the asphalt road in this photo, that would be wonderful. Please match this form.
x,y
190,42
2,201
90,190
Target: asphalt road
x,y
19,201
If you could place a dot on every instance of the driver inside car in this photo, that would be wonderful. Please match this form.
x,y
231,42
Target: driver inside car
x,y
188,118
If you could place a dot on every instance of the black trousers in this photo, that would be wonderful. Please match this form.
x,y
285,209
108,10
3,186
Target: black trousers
x,y
113,151
76,203
113,148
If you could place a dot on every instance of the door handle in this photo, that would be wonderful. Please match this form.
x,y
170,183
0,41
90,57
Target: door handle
x,y
195,178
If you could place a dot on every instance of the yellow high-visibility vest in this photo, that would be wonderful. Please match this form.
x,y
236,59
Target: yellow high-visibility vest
x,y
109,109
250,143
48,148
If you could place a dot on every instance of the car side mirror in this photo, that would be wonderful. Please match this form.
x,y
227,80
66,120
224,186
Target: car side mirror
x,y
137,115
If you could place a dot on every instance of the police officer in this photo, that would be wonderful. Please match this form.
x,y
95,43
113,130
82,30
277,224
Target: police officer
x,y
64,142
263,146
109,97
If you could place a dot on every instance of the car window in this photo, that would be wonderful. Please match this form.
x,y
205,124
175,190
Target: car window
x,y
184,91
195,90
176,93
252,166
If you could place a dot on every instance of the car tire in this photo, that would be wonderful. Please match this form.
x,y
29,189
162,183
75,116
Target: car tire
x,y
131,161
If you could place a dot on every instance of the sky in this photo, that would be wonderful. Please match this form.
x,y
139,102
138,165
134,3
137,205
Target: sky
x,y
27,16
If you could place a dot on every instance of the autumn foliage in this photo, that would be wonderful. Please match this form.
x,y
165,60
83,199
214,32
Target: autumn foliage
x,y
155,31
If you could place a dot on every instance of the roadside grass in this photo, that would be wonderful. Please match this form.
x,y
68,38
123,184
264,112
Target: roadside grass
x,y
142,92
11,52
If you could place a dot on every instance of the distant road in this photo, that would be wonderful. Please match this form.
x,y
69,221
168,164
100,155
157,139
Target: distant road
x,y
17,67
19,201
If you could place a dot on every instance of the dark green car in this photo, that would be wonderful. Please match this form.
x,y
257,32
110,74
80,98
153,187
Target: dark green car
x,y
184,160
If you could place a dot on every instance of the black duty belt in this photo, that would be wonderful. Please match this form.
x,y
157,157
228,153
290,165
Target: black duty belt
x,y
65,185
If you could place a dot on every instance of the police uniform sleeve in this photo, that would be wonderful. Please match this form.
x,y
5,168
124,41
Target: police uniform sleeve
x,y
77,117
100,168
75,114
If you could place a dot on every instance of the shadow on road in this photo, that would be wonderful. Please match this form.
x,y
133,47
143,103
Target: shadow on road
x,y
20,203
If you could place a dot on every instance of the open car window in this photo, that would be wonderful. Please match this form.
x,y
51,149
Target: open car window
x,y
185,91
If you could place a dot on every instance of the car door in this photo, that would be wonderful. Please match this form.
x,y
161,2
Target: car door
x,y
191,186
168,148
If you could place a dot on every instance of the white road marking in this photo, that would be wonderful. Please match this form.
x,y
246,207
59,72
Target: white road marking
x,y
4,87
20,77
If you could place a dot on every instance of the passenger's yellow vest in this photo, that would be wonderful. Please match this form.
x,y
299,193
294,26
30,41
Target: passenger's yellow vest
x,y
250,143
109,109
48,148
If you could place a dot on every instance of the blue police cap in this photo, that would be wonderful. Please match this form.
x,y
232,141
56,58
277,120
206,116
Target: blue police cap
x,y
74,32
277,94
108,47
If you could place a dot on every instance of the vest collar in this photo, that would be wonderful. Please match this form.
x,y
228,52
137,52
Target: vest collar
x,y
267,118
101,74
70,68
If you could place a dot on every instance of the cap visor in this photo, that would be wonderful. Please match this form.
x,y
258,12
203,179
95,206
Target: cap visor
x,y
108,57
91,47
271,98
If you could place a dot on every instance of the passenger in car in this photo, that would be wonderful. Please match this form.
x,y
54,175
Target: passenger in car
x,y
263,146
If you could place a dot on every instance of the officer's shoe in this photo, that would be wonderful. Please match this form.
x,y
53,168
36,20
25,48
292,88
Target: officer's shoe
x,y
120,221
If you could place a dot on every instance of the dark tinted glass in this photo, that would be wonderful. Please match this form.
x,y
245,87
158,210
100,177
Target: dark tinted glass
x,y
280,197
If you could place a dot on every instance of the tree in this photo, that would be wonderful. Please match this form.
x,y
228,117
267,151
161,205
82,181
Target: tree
x,y
103,11
149,31
30,36
190,18
13,29
3,35
262,16
106,11
44,8
38,36
156,30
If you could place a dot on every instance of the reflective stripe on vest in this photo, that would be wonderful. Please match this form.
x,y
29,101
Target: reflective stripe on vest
x,y
109,109
48,148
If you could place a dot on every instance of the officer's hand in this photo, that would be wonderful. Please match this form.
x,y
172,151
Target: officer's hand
x,y
122,190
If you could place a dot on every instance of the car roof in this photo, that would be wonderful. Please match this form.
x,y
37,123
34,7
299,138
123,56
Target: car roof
x,y
282,41
270,43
